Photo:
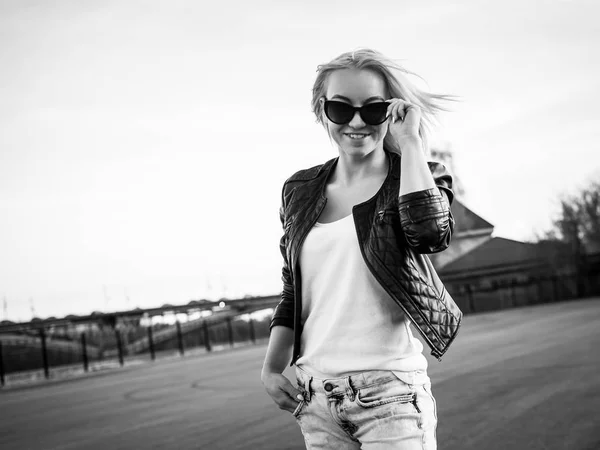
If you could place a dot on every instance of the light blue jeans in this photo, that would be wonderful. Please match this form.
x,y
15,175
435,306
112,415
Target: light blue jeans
x,y
372,410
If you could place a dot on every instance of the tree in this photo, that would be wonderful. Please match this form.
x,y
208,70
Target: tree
x,y
589,207
577,227
578,221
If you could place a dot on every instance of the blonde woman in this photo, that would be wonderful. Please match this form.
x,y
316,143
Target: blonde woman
x,y
356,278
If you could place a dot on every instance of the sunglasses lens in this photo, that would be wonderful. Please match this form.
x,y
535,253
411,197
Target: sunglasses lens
x,y
342,113
374,113
338,112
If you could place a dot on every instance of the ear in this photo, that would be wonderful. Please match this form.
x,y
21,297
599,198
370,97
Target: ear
x,y
323,116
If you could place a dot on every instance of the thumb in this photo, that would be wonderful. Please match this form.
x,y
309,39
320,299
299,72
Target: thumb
x,y
292,391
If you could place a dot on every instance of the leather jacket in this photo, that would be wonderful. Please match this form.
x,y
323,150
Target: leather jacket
x,y
394,233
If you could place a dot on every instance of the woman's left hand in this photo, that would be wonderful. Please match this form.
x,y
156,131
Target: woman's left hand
x,y
405,119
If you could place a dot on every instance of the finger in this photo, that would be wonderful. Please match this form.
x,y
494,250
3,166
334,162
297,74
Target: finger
x,y
291,391
281,395
391,102
392,108
398,110
405,107
288,404
402,107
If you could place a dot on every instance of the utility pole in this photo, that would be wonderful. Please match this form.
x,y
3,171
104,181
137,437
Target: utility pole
x,y
444,155
224,290
209,290
106,298
32,307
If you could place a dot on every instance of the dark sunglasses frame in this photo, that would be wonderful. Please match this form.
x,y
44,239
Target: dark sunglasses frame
x,y
351,110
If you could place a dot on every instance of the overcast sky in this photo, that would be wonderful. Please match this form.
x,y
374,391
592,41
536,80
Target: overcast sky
x,y
143,144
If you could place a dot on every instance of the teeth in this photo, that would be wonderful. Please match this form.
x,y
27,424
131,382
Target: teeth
x,y
357,136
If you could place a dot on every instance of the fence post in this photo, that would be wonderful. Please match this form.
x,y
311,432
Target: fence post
x,y
555,287
119,346
251,329
151,343
179,338
44,353
1,366
84,353
206,336
580,275
230,331
470,297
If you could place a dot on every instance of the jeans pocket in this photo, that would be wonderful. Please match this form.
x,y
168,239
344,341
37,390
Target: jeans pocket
x,y
301,406
392,391
299,409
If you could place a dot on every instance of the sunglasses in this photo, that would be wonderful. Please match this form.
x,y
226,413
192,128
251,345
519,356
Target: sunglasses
x,y
342,113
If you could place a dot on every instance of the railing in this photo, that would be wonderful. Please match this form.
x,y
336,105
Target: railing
x,y
28,350
503,290
25,356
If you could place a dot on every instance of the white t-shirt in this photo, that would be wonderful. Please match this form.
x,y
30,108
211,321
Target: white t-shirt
x,y
351,324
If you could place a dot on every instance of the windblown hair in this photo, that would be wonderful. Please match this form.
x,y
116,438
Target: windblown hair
x,y
396,82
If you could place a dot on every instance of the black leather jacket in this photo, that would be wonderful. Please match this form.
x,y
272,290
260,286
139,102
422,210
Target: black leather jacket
x,y
394,233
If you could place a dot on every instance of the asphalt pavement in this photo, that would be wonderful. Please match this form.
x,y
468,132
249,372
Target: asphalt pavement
x,y
527,378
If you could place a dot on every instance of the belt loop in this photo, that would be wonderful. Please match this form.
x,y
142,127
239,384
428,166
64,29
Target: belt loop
x,y
349,389
307,382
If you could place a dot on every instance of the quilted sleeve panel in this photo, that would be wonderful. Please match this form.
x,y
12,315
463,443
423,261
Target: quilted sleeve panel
x,y
425,216
284,311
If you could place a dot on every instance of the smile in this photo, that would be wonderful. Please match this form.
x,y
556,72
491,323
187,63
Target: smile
x,y
357,135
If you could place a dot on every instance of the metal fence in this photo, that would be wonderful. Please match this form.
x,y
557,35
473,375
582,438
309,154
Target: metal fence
x,y
497,289
41,351
48,351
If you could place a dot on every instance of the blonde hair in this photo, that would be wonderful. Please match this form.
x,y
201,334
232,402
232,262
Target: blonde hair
x,y
396,82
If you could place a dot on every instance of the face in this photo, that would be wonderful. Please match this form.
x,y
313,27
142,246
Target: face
x,y
356,87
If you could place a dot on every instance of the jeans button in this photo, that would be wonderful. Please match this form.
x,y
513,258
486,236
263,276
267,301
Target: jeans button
x,y
328,387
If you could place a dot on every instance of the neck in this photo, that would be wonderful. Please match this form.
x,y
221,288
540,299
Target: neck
x,y
353,168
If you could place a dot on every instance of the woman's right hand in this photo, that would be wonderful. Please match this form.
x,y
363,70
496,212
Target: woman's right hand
x,y
283,393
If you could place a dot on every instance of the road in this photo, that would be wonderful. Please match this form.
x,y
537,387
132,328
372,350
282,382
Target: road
x,y
527,378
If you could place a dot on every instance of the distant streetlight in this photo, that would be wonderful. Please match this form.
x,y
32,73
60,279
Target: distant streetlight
x,y
221,304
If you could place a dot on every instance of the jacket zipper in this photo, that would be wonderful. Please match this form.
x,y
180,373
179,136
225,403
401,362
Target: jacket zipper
x,y
381,215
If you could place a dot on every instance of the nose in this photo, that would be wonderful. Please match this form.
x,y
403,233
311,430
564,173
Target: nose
x,y
356,121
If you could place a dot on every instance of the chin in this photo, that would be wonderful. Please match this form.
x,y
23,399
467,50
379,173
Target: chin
x,y
362,150
359,148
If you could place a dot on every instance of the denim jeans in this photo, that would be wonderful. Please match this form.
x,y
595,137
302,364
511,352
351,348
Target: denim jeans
x,y
371,410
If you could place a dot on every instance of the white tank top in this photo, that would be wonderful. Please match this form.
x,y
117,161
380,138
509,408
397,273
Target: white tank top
x,y
350,323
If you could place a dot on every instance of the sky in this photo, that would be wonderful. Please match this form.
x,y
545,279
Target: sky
x,y
143,144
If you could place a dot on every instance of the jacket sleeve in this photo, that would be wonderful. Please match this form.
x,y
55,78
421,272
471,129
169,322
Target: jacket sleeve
x,y
284,311
425,216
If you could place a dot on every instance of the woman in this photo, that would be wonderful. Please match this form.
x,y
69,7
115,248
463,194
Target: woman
x,y
356,231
